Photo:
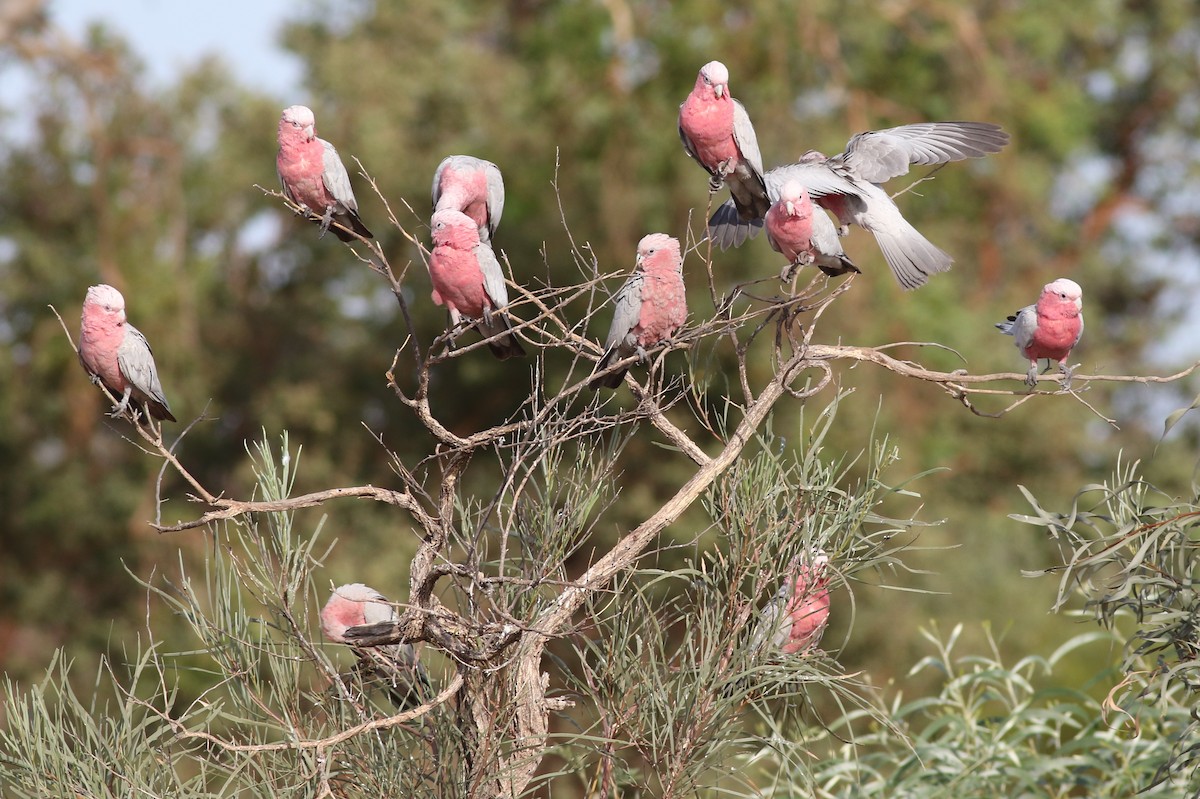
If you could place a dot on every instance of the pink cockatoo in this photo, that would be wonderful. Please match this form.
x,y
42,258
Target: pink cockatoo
x,y
471,185
313,175
355,605
468,280
805,234
795,618
717,132
648,309
116,354
848,184
1050,329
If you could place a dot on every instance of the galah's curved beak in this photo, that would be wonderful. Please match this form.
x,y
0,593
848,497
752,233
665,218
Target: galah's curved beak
x,y
790,207
719,90
310,133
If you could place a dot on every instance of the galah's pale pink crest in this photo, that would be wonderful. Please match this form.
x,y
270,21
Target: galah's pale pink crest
x,y
1050,329
648,309
313,176
471,185
848,184
805,234
354,605
468,280
716,131
116,353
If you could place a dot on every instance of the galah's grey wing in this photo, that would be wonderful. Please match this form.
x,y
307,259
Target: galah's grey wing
x,y
337,180
688,147
627,311
824,233
879,155
745,138
378,610
818,179
495,195
436,191
136,361
493,275
1021,326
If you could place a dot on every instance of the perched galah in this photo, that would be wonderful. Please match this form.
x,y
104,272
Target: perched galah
x,y
396,665
116,353
468,280
716,131
848,184
471,185
805,234
795,618
313,175
1050,329
648,309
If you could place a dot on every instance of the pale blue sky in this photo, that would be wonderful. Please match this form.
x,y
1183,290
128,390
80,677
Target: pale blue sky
x,y
170,35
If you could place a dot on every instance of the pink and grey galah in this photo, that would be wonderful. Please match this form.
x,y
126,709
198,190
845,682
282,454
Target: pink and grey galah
x,y
795,618
717,132
468,280
473,186
313,176
116,354
1050,329
396,665
805,234
649,308
848,184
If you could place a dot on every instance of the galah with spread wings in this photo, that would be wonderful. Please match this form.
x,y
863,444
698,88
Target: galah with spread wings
x,y
805,234
848,184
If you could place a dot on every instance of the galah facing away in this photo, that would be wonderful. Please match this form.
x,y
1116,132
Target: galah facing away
x,y
313,175
116,353
848,184
468,280
396,665
648,309
1050,329
716,131
805,234
795,618
473,186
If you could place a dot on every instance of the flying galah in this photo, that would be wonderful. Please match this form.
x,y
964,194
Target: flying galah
x,y
716,131
116,353
795,618
468,280
848,184
313,175
1050,329
356,604
648,309
471,185
805,234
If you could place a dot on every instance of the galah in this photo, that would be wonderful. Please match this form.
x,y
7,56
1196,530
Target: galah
x,y
313,175
116,353
805,234
468,280
795,618
396,665
648,309
717,132
848,184
1050,329
471,185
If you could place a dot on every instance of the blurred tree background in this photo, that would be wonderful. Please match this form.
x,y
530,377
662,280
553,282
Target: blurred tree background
x,y
259,326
